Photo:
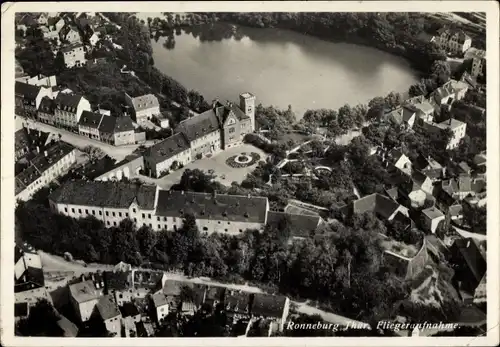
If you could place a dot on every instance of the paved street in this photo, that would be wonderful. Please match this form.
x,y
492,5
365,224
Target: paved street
x,y
118,153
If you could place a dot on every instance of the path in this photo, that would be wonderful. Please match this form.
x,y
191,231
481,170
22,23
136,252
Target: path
x,y
53,263
119,153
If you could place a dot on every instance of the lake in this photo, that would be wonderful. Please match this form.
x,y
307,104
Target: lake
x,y
279,67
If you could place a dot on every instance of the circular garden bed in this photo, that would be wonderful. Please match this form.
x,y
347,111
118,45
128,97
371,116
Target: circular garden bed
x,y
242,160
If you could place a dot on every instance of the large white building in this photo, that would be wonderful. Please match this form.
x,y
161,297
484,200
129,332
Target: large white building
x,y
143,107
84,297
161,157
68,110
478,57
457,127
147,205
43,168
74,55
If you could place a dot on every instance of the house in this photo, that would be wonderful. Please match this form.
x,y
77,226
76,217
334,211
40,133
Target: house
x,y
423,181
397,159
26,21
44,168
29,281
94,39
58,24
112,202
68,328
431,217
453,40
167,155
27,140
160,305
449,92
21,310
457,128
74,55
28,98
480,161
276,307
162,120
70,34
227,214
88,125
403,116
237,305
110,314
143,107
464,168
379,204
214,295
302,226
39,80
469,264
413,193
478,57
84,298
129,309
129,328
117,131
203,133
424,108
68,110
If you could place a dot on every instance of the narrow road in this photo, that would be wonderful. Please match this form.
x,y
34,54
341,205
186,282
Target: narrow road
x,y
53,263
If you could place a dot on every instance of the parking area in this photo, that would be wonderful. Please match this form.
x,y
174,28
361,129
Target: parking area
x,y
216,164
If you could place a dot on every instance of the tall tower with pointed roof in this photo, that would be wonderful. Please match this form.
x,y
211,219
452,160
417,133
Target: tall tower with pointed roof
x,y
247,105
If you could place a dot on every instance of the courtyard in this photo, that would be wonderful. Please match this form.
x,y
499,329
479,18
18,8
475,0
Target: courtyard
x,y
215,164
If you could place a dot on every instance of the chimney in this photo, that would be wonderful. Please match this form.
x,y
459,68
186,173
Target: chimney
x,y
449,122
182,192
468,244
28,129
38,149
45,153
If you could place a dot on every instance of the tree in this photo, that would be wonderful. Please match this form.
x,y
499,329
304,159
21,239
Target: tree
x,y
441,71
41,321
93,153
59,64
392,100
375,108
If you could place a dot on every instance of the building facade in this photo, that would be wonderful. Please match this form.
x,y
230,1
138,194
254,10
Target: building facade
x,y
83,298
456,41
68,110
167,155
28,98
112,202
88,125
74,55
143,107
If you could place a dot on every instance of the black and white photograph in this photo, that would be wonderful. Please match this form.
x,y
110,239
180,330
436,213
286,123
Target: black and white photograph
x,y
238,170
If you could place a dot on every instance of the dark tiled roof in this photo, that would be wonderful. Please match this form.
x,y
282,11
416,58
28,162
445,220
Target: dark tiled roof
x,y
172,288
116,280
32,278
392,193
129,309
418,177
90,119
221,207
159,299
25,178
28,91
70,48
199,125
105,194
471,253
237,302
107,124
54,154
167,148
107,308
300,225
376,203
464,183
215,293
455,210
144,102
268,305
47,105
22,139
123,123
68,102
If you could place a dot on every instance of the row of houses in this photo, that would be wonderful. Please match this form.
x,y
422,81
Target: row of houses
x,y
123,301
421,111
40,158
39,97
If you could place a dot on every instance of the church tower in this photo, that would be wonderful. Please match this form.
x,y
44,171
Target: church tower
x,y
247,105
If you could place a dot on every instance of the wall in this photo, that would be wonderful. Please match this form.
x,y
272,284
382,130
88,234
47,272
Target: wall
x,y
124,138
224,227
140,137
32,296
206,144
161,312
114,325
128,170
147,114
156,169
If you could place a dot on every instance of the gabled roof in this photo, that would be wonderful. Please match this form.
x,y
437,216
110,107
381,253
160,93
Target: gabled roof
x,y
199,126
432,213
69,328
167,148
105,194
300,225
90,119
111,124
69,102
27,91
107,308
376,203
250,209
267,305
83,291
159,299
472,255
418,177
54,154
47,105
144,102
116,280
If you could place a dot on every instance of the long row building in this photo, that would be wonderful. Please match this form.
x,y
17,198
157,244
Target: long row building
x,y
148,205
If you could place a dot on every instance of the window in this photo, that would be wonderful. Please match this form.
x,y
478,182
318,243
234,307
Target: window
x,y
108,222
159,226
158,218
135,220
114,223
205,228
143,216
225,229
79,210
93,212
114,214
150,225
119,214
86,211
126,214
218,222
149,215
228,222
231,130
164,219
241,230
65,209
100,213
133,210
